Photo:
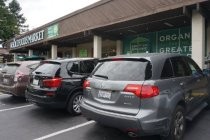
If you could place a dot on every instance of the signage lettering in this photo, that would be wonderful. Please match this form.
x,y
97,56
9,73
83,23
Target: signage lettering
x,y
175,37
165,41
27,39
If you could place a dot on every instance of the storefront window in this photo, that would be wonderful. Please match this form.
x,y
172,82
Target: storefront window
x,y
67,54
165,41
108,51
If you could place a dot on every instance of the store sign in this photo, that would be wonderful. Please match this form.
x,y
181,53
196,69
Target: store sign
x,y
52,31
83,53
175,41
140,44
167,41
27,39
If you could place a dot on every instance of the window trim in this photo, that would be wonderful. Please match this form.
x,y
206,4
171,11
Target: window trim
x,y
183,59
189,60
173,74
77,73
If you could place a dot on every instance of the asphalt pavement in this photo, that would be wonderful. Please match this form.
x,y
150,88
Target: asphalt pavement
x,y
20,120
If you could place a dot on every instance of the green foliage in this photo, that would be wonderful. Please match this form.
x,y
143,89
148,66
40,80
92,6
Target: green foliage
x,y
15,9
11,21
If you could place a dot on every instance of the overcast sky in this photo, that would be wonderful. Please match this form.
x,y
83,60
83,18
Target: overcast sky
x,y
40,12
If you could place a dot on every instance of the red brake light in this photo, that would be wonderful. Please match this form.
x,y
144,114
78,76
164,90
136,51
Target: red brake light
x,y
52,83
86,84
142,91
149,91
18,75
136,89
117,59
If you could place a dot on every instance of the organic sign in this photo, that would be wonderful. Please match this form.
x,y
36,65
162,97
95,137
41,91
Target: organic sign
x,y
83,53
52,31
27,39
169,41
175,41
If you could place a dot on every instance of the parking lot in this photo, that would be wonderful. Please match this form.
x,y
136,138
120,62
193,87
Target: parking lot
x,y
20,120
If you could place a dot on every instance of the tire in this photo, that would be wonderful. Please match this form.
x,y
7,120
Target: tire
x,y
73,106
208,98
178,125
208,102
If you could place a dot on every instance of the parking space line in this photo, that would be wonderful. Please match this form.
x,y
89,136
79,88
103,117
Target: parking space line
x,y
8,109
64,130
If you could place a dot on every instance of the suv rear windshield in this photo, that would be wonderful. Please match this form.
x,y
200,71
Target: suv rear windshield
x,y
124,70
10,68
48,68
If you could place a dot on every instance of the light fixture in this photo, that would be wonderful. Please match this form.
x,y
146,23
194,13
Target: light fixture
x,y
169,24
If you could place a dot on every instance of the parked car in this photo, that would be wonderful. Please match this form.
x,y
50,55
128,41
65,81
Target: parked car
x,y
14,77
58,83
146,94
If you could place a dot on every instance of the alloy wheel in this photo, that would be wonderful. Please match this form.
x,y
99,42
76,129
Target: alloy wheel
x,y
179,125
76,103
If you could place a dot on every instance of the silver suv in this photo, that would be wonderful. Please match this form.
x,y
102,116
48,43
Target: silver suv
x,y
146,94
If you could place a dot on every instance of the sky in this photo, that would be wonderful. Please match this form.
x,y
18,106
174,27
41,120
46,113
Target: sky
x,y
40,12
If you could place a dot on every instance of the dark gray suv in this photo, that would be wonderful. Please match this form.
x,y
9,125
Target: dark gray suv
x,y
146,94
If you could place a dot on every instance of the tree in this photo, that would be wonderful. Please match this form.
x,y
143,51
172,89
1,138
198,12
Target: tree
x,y
7,22
15,9
11,21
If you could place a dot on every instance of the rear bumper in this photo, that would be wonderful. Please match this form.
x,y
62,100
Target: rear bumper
x,y
17,89
45,101
126,123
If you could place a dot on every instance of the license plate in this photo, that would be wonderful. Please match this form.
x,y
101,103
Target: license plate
x,y
104,94
35,82
6,80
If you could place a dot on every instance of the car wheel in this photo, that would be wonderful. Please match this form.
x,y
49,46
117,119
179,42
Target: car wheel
x,y
178,125
208,102
73,106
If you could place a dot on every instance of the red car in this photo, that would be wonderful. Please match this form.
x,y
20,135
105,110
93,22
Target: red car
x,y
14,77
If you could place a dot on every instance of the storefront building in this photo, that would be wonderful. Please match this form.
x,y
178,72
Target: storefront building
x,y
114,27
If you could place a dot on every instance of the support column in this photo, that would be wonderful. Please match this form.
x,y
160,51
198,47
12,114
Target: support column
x,y
30,52
15,57
97,46
54,51
74,52
198,38
119,47
208,40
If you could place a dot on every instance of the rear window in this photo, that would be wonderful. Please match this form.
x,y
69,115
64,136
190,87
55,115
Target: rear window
x,y
10,68
48,68
124,70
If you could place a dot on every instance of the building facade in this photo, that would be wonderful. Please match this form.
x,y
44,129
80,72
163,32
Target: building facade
x,y
113,27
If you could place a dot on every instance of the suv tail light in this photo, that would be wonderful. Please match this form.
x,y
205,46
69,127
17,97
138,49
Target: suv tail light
x,y
142,91
18,75
52,83
86,84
